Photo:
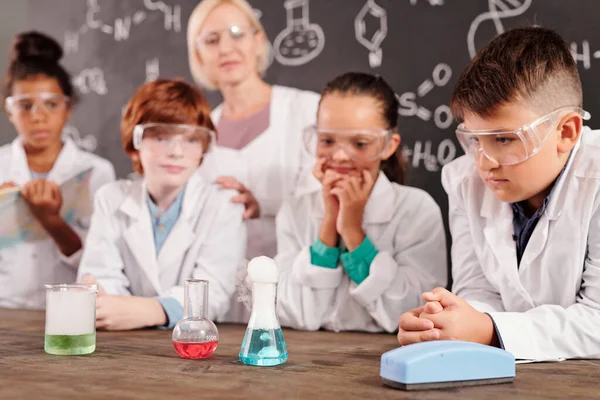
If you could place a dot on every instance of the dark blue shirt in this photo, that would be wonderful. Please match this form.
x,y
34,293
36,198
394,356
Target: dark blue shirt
x,y
524,225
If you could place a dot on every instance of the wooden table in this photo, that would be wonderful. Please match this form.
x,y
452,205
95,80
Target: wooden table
x,y
322,365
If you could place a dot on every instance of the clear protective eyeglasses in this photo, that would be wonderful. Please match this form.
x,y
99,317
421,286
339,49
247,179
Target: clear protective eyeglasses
x,y
510,147
165,138
28,104
358,144
211,39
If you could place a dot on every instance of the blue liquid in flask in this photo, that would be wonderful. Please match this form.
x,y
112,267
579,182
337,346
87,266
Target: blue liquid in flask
x,y
263,343
263,347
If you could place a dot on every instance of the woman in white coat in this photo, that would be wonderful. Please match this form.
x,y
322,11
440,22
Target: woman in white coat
x,y
355,247
148,236
45,246
260,150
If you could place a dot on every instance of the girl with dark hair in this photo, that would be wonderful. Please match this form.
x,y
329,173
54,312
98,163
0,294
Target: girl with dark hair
x,y
38,100
356,248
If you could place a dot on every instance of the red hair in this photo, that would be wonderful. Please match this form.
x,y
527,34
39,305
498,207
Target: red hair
x,y
163,101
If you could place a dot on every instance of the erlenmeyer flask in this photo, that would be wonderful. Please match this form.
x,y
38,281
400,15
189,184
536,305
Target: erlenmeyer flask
x,y
263,343
195,336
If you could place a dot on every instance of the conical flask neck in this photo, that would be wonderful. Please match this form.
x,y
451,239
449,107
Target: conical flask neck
x,y
264,297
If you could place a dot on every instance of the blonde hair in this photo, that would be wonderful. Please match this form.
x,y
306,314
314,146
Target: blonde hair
x,y
195,22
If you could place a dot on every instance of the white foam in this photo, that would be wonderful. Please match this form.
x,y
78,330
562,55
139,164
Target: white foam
x,y
70,312
263,269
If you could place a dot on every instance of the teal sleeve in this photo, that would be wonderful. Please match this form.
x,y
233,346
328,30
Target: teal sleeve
x,y
357,262
324,256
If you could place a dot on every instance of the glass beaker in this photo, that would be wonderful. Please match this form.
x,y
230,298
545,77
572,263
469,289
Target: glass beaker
x,y
263,343
70,319
195,336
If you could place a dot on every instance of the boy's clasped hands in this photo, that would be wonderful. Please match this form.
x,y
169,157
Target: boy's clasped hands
x,y
446,316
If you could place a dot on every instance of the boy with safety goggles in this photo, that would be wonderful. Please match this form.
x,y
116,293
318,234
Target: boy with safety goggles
x,y
148,236
524,208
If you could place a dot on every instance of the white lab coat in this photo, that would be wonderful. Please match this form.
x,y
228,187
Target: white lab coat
x,y
208,241
405,225
269,167
548,307
26,267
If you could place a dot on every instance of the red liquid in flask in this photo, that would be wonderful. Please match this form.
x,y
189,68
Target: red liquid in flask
x,y
195,350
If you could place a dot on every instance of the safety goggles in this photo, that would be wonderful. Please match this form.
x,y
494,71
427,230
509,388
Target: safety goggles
x,y
357,144
28,104
167,138
212,39
510,147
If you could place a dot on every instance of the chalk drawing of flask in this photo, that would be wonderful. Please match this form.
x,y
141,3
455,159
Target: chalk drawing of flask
x,y
301,41
372,44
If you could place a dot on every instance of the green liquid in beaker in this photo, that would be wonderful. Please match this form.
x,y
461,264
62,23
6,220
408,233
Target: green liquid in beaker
x,y
70,345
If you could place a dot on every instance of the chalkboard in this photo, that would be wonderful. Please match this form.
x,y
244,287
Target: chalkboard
x,y
419,46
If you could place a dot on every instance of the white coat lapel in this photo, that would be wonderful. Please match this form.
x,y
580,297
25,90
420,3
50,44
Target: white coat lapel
x,y
539,237
215,115
308,184
19,169
179,240
185,231
378,210
139,235
182,235
223,161
498,232
68,164
381,202
537,242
